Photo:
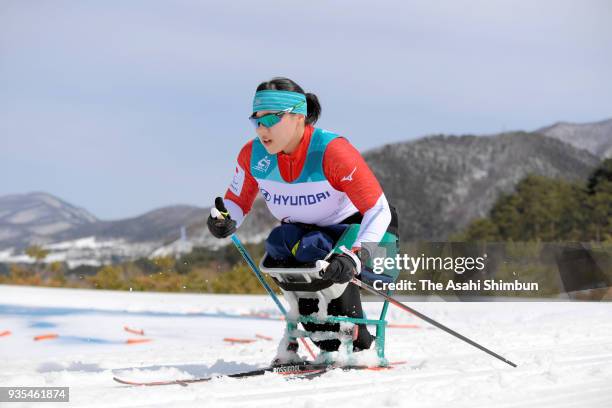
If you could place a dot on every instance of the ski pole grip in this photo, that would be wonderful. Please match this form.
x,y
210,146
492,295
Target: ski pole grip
x,y
220,205
219,211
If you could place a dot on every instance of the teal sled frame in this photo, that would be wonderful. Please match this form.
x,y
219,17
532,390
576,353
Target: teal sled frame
x,y
391,245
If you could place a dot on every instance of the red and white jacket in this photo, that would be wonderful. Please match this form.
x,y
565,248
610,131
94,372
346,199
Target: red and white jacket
x,y
348,186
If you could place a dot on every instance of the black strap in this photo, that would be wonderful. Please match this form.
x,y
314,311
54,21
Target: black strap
x,y
314,286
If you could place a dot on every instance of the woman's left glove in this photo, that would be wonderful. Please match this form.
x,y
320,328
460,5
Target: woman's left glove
x,y
219,222
342,267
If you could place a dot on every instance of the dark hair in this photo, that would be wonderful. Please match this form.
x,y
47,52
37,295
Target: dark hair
x,y
285,84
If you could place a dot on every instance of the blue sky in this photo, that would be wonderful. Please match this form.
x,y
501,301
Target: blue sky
x,y
121,107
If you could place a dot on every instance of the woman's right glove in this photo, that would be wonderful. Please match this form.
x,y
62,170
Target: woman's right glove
x,y
342,267
219,222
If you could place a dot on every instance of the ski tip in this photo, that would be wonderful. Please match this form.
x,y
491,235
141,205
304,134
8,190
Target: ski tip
x,y
120,381
183,383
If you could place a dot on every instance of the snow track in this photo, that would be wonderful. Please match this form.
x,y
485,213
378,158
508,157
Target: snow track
x,y
563,352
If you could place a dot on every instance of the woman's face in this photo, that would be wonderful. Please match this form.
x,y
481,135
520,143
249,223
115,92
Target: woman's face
x,y
282,136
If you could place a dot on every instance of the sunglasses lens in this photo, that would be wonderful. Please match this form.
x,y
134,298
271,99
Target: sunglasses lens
x,y
269,120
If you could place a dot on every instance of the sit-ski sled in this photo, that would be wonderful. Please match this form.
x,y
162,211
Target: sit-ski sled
x,y
298,281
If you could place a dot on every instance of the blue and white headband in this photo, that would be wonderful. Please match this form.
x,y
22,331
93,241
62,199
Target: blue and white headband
x,y
273,100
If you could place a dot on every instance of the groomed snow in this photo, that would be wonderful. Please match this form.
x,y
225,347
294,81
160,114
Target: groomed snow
x,y
564,353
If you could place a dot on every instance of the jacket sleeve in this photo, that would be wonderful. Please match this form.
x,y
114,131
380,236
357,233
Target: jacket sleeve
x,y
347,171
243,189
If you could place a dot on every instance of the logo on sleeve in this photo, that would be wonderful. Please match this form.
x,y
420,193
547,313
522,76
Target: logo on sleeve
x,y
350,176
237,181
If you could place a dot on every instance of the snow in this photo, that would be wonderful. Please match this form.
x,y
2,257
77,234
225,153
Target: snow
x,y
180,246
48,229
26,216
84,251
81,243
563,349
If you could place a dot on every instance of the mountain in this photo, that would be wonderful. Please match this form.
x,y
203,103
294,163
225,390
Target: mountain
x,y
38,216
75,236
156,225
440,183
594,137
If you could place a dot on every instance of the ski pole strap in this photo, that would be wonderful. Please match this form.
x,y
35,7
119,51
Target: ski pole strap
x,y
429,320
257,273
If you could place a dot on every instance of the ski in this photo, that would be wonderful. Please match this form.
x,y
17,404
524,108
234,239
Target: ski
x,y
295,370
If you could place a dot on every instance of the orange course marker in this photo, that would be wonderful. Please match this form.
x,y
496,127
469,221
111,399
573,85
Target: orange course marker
x,y
403,326
137,341
261,336
134,331
241,341
49,336
5,333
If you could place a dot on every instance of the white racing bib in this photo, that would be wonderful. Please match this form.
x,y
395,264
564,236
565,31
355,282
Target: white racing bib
x,y
309,199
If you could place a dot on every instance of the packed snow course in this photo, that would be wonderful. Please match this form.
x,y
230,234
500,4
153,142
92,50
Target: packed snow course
x,y
85,337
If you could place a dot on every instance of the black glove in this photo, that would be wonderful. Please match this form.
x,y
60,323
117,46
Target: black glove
x,y
341,268
220,227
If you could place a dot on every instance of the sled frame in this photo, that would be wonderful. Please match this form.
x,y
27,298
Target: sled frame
x,y
346,338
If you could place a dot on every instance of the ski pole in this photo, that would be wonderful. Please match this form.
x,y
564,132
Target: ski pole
x,y
255,269
428,320
219,211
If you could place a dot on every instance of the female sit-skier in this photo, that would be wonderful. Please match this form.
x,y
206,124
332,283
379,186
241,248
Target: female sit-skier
x,y
316,183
